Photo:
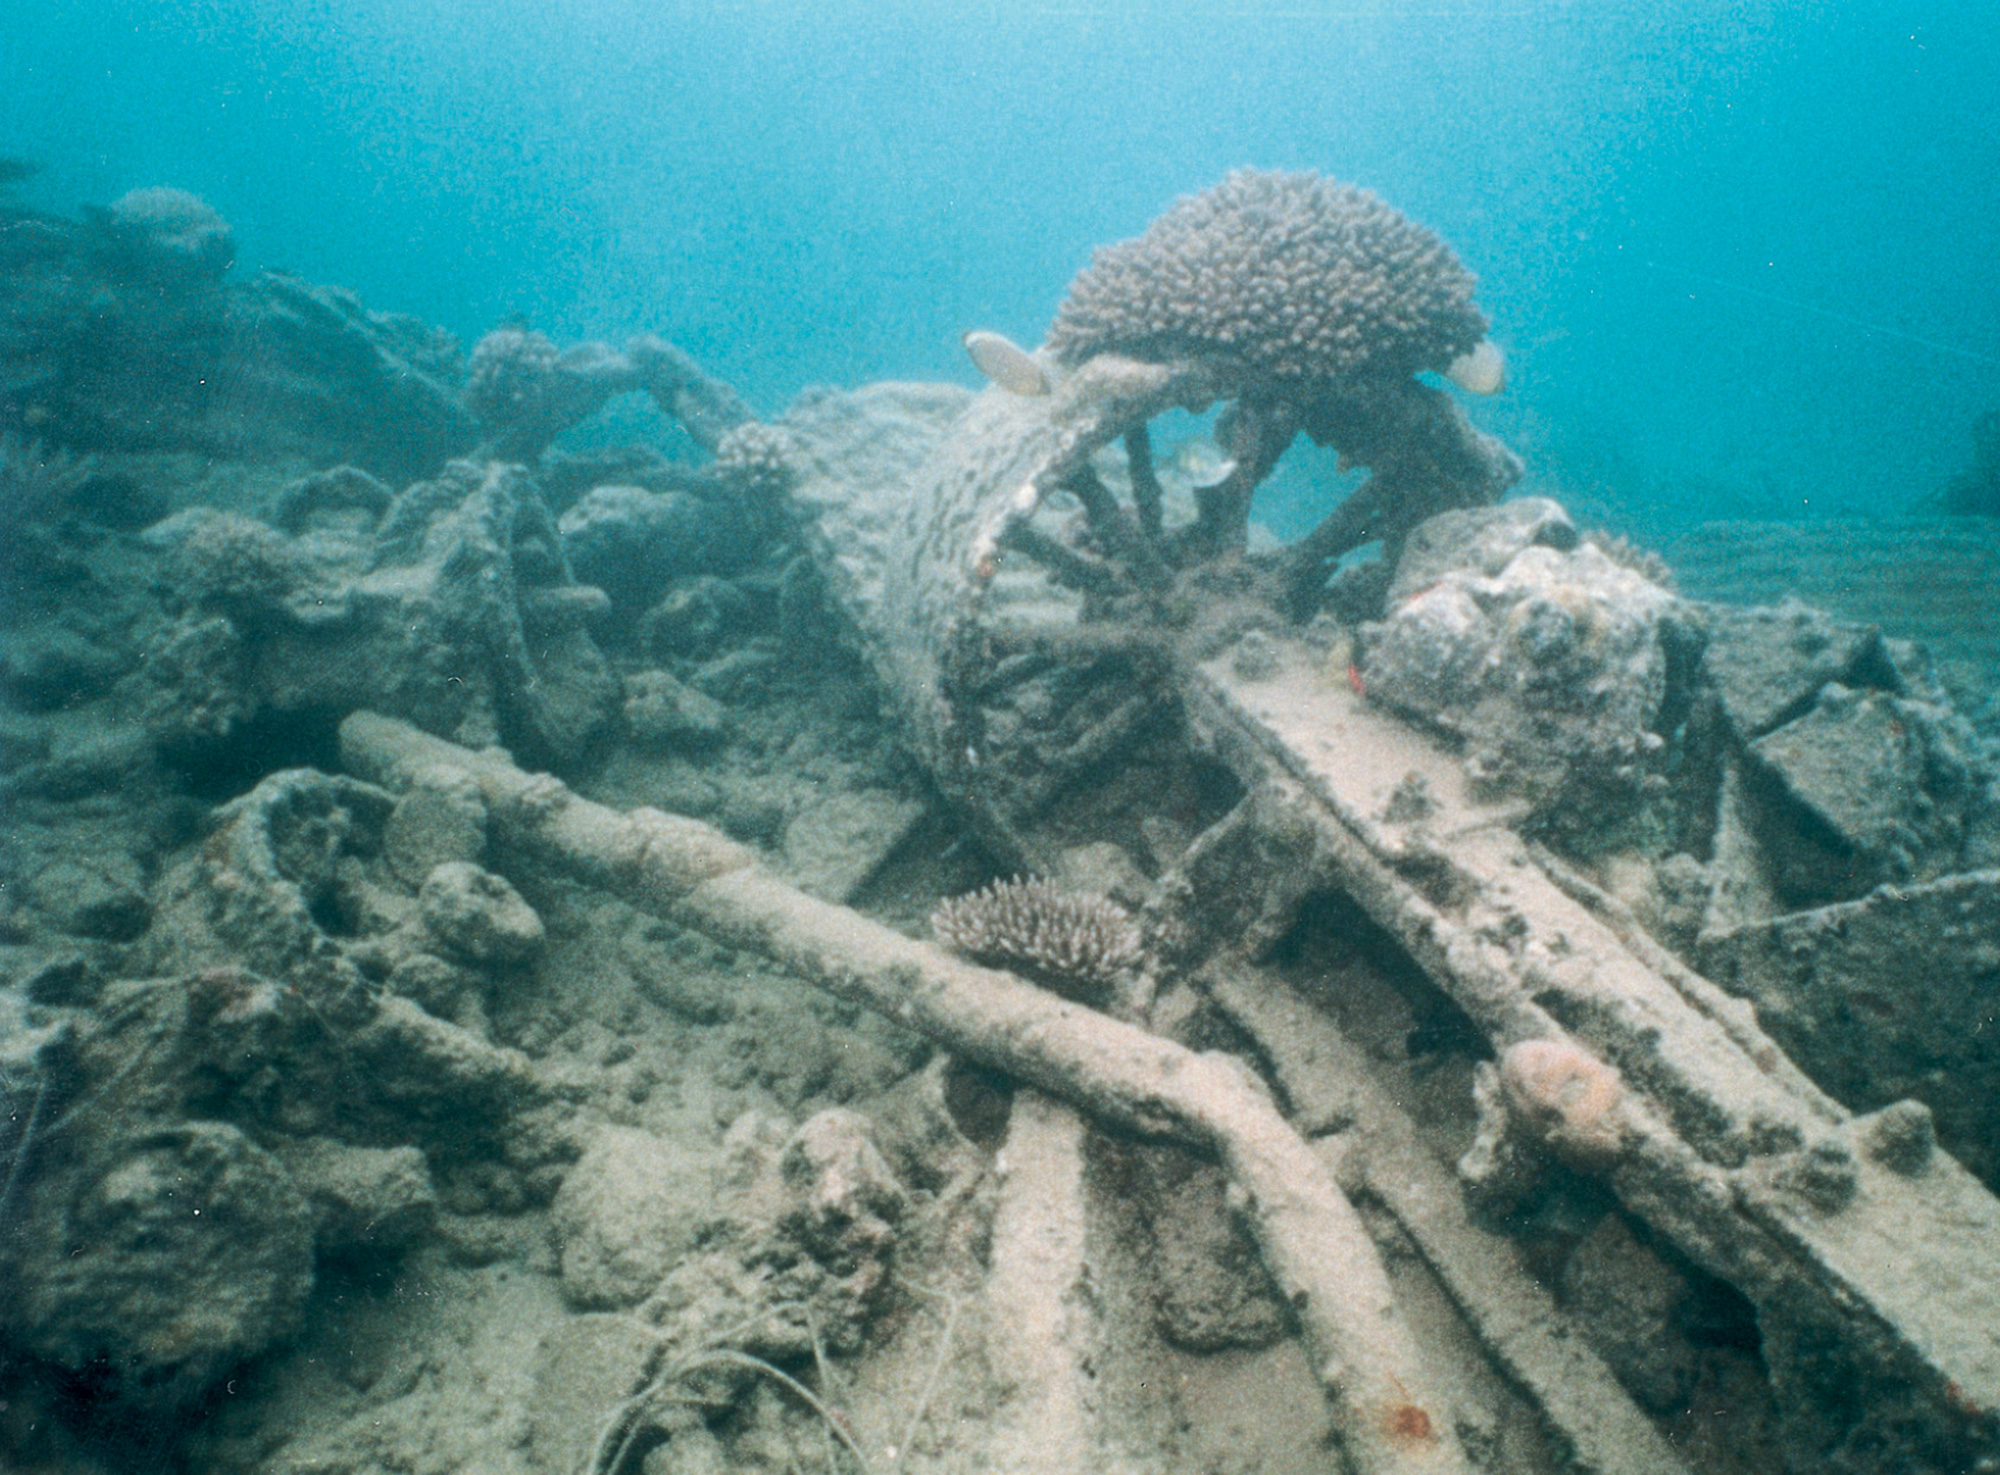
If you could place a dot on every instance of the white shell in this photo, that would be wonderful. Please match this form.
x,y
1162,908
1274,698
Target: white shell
x,y
1483,371
1005,362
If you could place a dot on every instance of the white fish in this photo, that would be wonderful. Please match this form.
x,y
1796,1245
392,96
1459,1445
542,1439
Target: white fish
x,y
1005,362
1200,462
1482,371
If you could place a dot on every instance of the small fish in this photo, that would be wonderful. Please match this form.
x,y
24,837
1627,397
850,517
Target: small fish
x,y
1482,371
1200,462
1005,362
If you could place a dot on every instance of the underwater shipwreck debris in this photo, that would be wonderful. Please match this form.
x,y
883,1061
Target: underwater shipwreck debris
x,y
1723,1146
1307,305
525,392
454,604
1049,715
1070,698
1889,999
1391,1415
1014,566
259,1094
125,331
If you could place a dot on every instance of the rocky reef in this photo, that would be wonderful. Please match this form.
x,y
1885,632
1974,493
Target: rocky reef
x,y
123,332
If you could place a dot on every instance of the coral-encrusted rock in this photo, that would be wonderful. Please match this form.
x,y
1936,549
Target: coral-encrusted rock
x,y
842,1206
441,817
1556,671
168,1262
664,713
121,332
633,543
477,916
343,501
241,567
1883,791
844,1200
695,616
365,1200
633,1205
1479,541
457,611
1885,998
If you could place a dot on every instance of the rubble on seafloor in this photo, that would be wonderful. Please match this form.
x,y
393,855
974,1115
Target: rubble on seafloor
x,y
1622,959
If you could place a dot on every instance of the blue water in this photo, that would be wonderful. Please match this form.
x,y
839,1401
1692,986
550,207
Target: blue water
x,y
1742,260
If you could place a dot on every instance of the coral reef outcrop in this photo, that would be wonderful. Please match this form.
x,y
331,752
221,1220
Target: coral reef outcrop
x,y
123,332
455,605
525,392
1562,670
1300,278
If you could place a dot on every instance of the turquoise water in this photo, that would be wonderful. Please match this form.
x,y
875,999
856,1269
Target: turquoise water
x,y
1740,259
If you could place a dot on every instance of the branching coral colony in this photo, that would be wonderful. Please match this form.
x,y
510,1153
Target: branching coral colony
x,y
1306,305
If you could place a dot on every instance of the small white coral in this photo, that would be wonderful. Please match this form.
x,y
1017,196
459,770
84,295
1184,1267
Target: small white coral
x,y
509,376
1076,943
762,459
174,228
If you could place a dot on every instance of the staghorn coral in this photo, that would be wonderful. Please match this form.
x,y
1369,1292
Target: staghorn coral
x,y
1076,943
1298,277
